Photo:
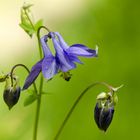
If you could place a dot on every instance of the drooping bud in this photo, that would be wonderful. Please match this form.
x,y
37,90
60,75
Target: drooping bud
x,y
104,109
11,96
11,92
103,116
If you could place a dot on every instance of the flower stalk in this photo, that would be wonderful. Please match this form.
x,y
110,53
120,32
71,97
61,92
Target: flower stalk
x,y
25,67
110,88
40,87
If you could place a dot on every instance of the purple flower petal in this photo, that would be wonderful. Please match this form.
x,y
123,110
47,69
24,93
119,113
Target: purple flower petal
x,y
81,50
74,58
49,67
80,46
46,50
36,69
62,43
65,63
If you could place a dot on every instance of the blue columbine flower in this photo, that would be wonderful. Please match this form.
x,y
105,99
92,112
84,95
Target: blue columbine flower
x,y
66,56
47,65
64,59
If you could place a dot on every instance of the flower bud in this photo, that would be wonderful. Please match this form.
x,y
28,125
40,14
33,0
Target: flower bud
x,y
104,109
11,92
11,96
103,116
2,77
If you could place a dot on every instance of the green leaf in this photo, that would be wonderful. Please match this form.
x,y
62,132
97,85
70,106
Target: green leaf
x,y
38,24
30,99
28,29
26,21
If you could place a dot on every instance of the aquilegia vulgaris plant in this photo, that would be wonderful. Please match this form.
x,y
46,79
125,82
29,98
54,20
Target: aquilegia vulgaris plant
x,y
50,64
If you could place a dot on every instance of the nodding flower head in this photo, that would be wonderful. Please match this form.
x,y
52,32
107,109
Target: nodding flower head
x,y
63,60
103,116
67,56
104,109
11,92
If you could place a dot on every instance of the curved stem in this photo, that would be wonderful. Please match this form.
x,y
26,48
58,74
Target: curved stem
x,y
75,104
42,27
12,71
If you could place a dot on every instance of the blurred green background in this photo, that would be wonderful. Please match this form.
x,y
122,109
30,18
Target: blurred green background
x,y
114,25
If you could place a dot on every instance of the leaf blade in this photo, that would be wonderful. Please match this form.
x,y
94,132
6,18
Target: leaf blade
x,y
30,99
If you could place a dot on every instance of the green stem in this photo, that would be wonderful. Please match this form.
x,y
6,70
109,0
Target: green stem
x,y
41,78
38,109
40,90
40,86
29,19
21,65
75,104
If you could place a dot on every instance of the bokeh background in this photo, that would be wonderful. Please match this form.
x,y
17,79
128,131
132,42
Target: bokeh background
x,y
114,25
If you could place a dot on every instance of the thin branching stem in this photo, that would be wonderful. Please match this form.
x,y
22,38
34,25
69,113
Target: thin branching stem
x,y
25,67
76,103
41,78
39,93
